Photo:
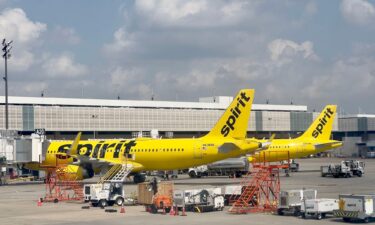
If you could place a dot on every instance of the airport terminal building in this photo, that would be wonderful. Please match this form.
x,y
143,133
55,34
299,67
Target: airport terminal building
x,y
62,118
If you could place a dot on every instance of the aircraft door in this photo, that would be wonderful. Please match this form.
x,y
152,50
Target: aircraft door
x,y
198,150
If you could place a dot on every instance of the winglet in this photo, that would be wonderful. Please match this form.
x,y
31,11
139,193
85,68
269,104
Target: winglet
x,y
233,123
264,145
74,147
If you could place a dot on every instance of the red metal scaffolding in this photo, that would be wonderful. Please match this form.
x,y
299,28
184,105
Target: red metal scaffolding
x,y
62,185
260,189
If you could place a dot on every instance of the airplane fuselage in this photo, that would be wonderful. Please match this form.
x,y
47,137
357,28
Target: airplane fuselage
x,y
285,149
155,154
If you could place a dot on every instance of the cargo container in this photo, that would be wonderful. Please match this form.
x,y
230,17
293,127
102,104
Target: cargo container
x,y
318,208
291,200
356,207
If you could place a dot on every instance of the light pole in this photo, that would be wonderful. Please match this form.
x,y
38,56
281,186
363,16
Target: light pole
x,y
6,56
94,116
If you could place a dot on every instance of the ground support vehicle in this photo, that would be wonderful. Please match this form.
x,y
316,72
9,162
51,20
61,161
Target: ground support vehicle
x,y
232,167
356,207
104,194
156,196
318,208
347,168
291,200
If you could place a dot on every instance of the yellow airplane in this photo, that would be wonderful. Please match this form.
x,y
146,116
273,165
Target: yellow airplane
x,y
314,140
227,139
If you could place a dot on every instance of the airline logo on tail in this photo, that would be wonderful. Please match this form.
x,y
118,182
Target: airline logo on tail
x,y
242,100
327,114
322,126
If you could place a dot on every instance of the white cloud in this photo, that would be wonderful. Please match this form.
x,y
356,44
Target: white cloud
x,y
131,81
15,25
121,41
64,66
194,13
170,10
359,12
66,34
21,61
311,8
284,51
349,79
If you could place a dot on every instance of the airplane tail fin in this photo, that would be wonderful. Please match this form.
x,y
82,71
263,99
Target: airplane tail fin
x,y
321,128
233,123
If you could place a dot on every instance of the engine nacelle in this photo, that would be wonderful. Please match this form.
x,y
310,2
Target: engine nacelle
x,y
80,172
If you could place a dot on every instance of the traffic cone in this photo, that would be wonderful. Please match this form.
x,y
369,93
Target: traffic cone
x,y
172,212
183,211
122,210
39,202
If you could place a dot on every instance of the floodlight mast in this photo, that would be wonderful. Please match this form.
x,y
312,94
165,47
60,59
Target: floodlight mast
x,y
6,56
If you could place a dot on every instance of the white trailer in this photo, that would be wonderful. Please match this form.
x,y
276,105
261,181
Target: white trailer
x,y
231,193
318,208
200,200
291,200
356,207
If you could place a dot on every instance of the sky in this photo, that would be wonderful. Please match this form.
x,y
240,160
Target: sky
x,y
301,52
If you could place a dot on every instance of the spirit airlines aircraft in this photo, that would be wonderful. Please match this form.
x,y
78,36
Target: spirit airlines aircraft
x,y
316,139
227,139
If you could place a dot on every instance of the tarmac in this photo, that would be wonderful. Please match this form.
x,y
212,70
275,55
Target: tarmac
x,y
18,203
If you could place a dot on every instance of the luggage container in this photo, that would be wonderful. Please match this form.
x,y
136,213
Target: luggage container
x,y
291,200
356,207
318,208
199,200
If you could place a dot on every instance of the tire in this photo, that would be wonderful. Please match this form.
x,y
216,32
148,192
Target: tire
x,y
280,212
192,174
103,203
366,220
303,215
346,219
296,212
119,201
55,200
359,174
94,204
154,209
319,216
